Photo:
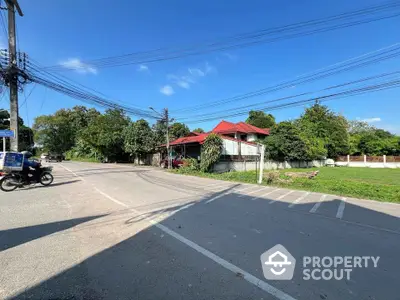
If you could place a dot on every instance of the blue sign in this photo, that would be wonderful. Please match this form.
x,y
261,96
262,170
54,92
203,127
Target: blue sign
x,y
7,133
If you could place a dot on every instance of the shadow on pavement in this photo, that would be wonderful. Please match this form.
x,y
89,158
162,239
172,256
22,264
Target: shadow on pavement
x,y
154,265
17,236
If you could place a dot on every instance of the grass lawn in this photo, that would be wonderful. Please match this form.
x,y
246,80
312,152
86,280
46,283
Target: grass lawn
x,y
366,183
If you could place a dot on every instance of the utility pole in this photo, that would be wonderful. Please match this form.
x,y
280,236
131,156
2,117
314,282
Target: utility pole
x,y
165,118
167,123
13,71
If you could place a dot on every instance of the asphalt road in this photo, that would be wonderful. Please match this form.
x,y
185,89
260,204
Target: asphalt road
x,y
122,232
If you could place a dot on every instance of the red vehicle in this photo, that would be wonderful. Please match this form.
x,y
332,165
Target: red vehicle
x,y
177,161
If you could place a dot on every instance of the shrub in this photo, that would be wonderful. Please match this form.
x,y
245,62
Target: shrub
x,y
190,164
210,152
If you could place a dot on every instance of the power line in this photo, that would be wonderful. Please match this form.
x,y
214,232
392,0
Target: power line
x,y
27,97
337,68
250,39
73,91
337,95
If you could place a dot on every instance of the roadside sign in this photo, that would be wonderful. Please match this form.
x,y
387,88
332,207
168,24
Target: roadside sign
x,y
7,133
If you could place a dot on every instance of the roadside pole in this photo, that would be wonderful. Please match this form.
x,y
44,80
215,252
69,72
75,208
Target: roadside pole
x,y
260,178
13,71
167,123
4,144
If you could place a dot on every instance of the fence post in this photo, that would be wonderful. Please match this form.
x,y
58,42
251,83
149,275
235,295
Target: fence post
x,y
384,161
348,159
365,159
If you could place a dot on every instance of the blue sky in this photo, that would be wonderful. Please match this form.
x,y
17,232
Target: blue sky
x,y
70,32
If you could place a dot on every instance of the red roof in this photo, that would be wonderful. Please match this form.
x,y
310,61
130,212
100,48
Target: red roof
x,y
200,138
228,127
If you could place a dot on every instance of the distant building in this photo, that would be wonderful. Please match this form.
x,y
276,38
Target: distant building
x,y
238,140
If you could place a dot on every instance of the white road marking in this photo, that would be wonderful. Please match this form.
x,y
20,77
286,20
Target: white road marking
x,y
266,194
318,204
243,189
299,199
340,210
183,207
255,191
281,196
217,197
222,262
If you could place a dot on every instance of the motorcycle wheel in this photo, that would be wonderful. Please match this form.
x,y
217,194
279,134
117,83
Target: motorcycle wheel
x,y
7,184
46,178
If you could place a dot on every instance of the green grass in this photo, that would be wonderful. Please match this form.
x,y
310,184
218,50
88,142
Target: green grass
x,y
366,183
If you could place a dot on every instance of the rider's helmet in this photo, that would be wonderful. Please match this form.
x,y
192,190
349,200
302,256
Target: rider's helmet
x,y
27,154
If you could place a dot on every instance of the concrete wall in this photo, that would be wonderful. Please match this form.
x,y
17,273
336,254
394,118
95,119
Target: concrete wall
x,y
226,166
391,165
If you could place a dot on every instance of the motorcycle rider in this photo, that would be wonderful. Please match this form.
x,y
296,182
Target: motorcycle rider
x,y
28,164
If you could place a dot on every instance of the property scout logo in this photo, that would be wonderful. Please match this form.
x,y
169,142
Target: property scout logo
x,y
279,264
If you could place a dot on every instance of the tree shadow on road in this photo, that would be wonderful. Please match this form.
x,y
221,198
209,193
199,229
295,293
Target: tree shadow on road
x,y
153,264
10,238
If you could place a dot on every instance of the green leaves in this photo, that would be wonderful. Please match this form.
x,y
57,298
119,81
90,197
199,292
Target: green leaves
x,y
260,119
210,152
138,138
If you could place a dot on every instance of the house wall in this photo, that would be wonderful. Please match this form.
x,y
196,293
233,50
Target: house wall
x,y
230,147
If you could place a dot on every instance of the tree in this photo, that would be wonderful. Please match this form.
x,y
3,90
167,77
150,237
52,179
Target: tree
x,y
260,119
26,140
198,130
332,129
60,132
178,130
287,143
138,138
104,134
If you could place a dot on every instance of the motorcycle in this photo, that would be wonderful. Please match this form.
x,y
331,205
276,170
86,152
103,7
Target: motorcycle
x,y
16,179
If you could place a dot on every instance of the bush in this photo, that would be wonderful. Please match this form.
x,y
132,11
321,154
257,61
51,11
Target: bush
x,y
210,152
190,164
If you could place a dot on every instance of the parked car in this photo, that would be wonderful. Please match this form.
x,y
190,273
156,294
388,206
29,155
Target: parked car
x,y
52,157
177,162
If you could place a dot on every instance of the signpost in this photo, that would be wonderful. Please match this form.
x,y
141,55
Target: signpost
x,y
6,134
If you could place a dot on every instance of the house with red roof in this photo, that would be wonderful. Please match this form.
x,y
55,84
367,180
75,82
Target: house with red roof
x,y
239,139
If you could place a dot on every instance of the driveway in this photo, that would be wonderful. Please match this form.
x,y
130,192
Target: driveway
x,y
122,232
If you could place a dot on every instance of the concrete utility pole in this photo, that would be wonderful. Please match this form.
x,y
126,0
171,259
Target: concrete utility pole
x,y
13,69
167,123
260,178
165,118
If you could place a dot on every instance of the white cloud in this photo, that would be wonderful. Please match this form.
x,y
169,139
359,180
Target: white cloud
x,y
183,84
79,66
196,72
167,90
371,120
143,68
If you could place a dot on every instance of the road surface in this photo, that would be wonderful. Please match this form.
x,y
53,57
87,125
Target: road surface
x,y
104,231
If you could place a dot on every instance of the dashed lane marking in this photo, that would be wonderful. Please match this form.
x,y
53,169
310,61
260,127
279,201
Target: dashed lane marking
x,y
318,204
255,191
340,210
299,199
266,194
281,196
